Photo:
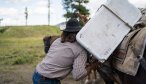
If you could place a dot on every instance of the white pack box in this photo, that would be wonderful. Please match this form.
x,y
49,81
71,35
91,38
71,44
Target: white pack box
x,y
111,23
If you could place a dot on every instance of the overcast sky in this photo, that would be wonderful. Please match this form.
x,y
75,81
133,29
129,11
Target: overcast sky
x,y
12,11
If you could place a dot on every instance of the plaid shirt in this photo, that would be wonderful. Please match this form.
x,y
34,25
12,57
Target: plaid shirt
x,y
61,59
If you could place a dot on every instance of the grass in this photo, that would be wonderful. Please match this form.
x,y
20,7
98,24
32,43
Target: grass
x,y
23,45
20,51
21,48
28,31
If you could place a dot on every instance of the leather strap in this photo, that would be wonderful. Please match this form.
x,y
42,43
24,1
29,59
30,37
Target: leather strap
x,y
143,63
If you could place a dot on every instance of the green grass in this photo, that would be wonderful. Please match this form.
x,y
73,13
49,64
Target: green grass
x,y
23,45
28,31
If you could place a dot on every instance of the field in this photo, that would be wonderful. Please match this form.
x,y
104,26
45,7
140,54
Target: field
x,y
21,48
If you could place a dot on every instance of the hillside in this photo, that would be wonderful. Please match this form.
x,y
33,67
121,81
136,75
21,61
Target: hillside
x,y
23,44
28,31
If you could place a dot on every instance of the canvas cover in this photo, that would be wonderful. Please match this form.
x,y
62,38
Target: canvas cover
x,y
127,56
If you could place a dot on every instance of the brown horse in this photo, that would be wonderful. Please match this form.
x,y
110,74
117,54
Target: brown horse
x,y
107,72
48,40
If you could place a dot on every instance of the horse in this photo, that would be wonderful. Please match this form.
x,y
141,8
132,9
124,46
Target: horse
x,y
108,73
139,78
48,40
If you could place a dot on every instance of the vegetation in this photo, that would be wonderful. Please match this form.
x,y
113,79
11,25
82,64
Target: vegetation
x,y
73,6
23,44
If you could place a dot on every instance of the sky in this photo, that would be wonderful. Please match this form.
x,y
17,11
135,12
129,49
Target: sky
x,y
12,11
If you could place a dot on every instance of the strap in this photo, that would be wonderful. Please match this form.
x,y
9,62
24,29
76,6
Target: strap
x,y
142,60
140,57
143,63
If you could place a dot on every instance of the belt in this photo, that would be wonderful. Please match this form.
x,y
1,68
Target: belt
x,y
46,78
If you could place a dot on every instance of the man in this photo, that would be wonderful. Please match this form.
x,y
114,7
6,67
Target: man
x,y
64,56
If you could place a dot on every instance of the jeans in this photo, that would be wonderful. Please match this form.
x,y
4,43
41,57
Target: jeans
x,y
38,79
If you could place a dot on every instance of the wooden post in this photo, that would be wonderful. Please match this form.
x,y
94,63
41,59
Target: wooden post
x,y
1,21
26,15
48,12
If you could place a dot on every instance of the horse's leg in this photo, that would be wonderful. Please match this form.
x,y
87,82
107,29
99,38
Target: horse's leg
x,y
106,78
88,80
109,82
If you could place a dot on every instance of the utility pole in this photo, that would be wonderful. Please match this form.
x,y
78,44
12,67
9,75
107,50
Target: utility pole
x,y
1,21
48,12
26,15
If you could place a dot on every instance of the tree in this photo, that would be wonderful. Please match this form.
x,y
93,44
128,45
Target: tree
x,y
75,6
